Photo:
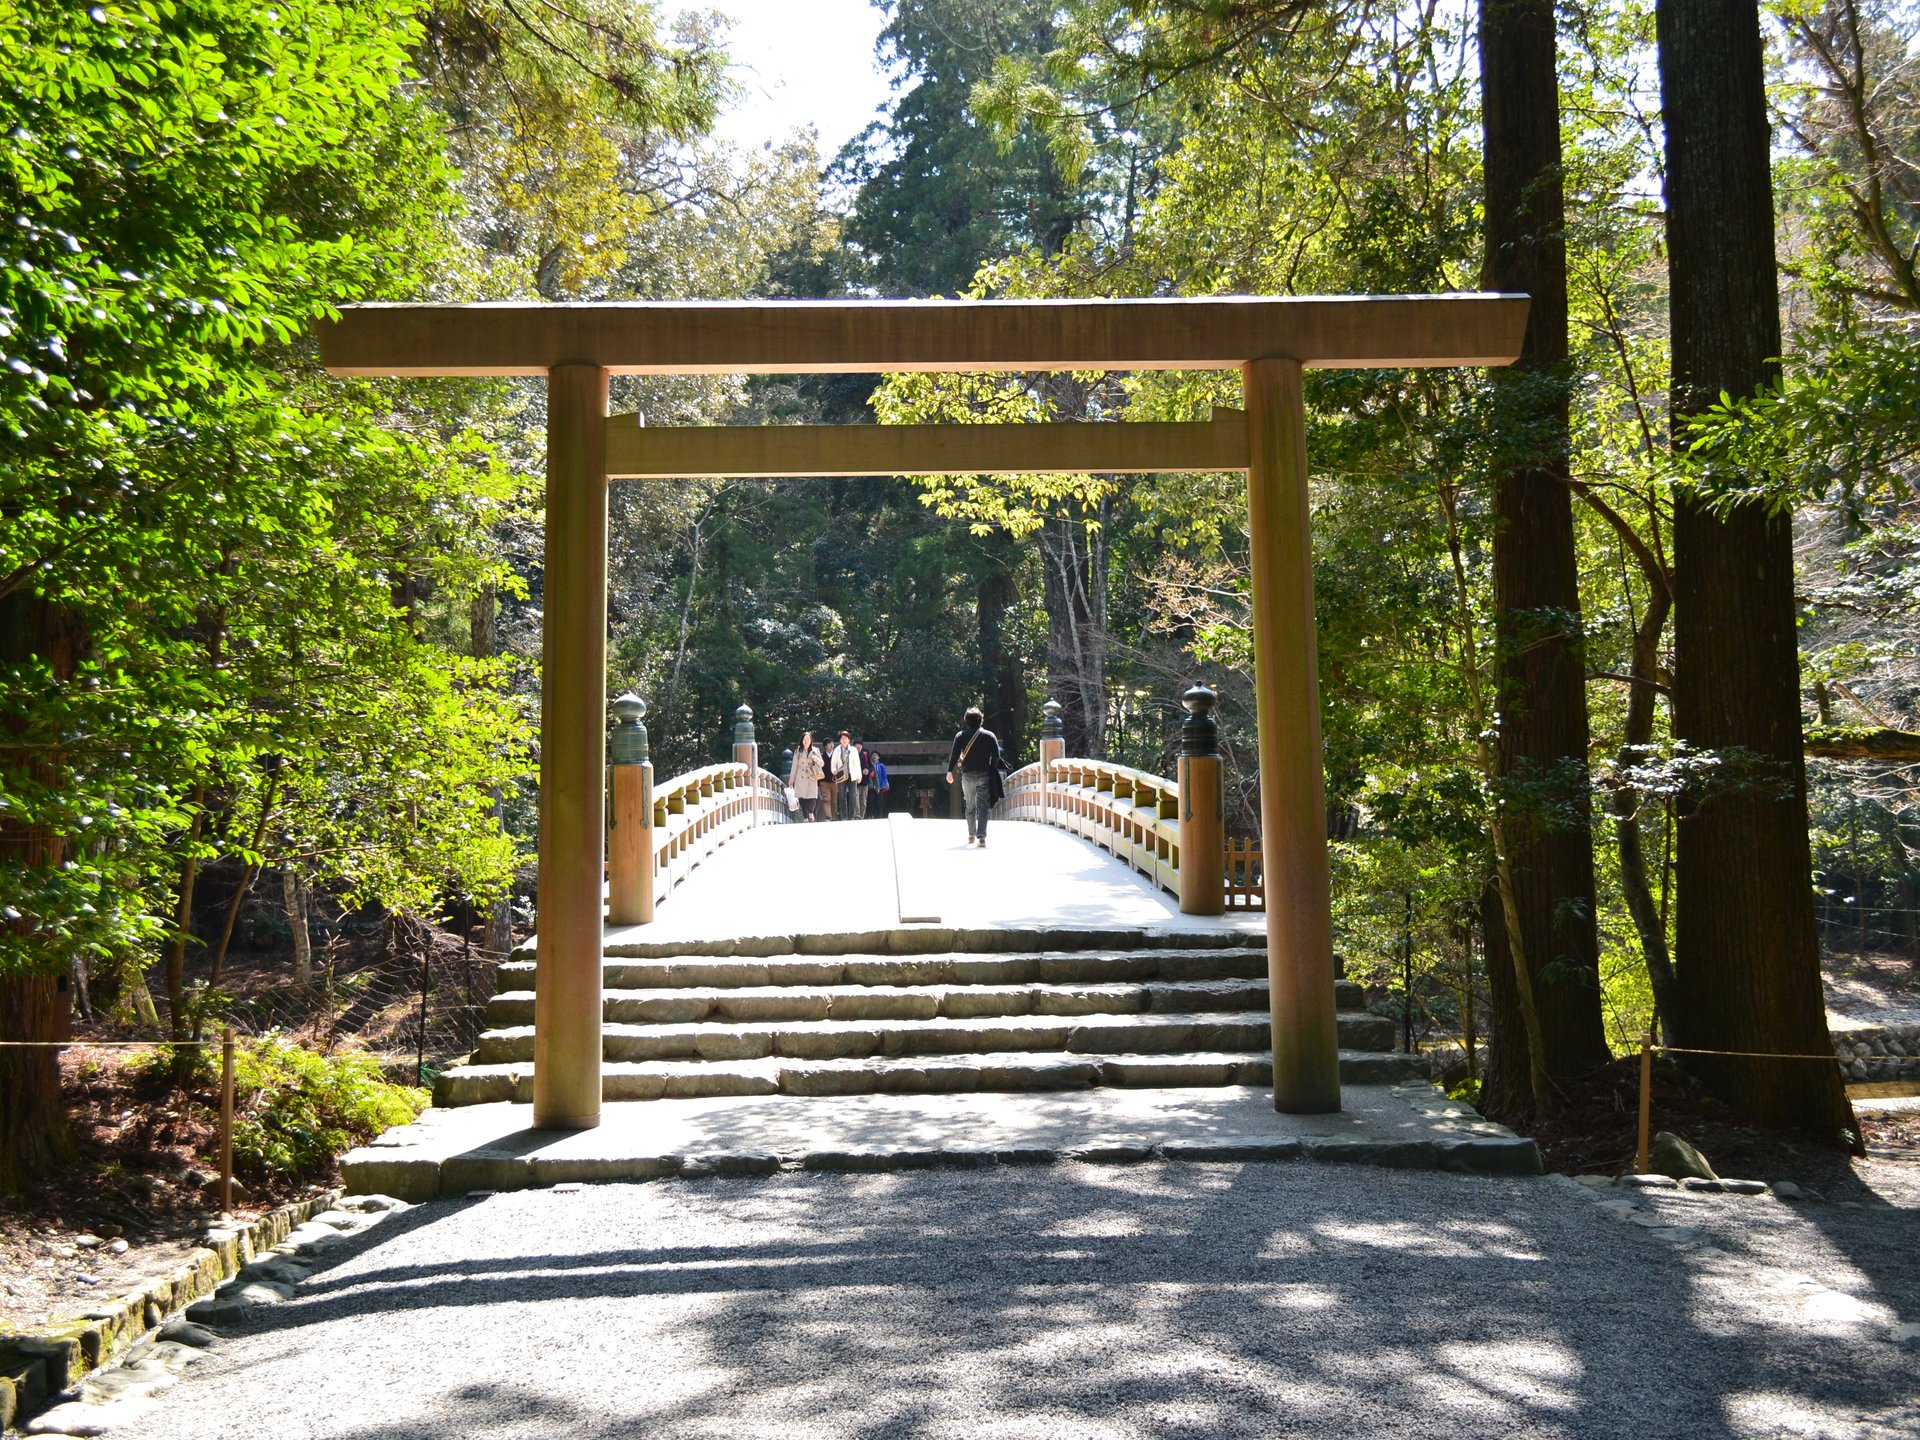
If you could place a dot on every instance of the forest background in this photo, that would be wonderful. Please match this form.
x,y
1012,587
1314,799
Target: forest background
x,y
259,625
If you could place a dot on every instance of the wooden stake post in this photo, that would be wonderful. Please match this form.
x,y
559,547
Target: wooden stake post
x,y
226,1118
1268,338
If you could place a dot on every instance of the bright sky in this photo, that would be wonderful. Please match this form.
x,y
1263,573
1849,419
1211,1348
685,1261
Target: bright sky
x,y
803,62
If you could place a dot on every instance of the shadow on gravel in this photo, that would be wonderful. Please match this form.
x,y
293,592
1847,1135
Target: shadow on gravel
x,y
1216,1300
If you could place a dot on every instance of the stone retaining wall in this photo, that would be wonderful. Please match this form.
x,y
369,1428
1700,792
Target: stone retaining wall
x,y
1879,1053
34,1368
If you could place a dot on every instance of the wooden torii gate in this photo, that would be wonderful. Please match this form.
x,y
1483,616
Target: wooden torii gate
x,y
1268,339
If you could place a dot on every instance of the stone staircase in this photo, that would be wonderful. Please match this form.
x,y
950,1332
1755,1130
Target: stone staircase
x,y
1078,1009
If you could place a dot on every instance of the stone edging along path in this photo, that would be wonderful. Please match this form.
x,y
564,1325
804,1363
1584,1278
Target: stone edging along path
x,y
35,1367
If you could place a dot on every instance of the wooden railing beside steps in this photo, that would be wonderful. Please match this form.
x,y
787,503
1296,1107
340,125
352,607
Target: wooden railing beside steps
x,y
1246,880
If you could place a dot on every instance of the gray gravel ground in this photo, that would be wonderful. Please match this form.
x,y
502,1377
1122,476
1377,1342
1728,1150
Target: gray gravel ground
x,y
1079,1301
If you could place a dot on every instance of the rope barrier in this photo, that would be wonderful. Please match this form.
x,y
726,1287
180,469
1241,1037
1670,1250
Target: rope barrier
x,y
1647,1049
99,1044
1743,1054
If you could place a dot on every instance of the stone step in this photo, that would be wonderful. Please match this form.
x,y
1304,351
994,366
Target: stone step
x,y
1144,1033
766,1003
668,1079
1050,967
933,939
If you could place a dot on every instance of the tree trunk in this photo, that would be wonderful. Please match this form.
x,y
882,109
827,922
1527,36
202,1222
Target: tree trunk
x,y
1076,632
670,708
141,997
183,924
247,872
34,1134
1626,803
293,891
34,1007
1539,671
484,631
1747,964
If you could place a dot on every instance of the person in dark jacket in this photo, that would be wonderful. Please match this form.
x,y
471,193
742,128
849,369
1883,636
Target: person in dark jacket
x,y
975,755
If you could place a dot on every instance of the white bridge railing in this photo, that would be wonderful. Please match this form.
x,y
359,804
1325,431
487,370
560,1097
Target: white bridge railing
x,y
696,813
1138,817
1132,815
658,835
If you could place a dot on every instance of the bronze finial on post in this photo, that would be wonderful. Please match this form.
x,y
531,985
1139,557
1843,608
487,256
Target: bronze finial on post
x,y
1202,825
630,837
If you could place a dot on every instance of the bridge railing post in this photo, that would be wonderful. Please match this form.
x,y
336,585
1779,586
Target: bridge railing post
x,y
1053,749
630,828
1202,829
746,751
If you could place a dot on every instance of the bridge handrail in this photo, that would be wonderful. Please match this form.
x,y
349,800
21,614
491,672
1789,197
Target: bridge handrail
x,y
1132,814
694,814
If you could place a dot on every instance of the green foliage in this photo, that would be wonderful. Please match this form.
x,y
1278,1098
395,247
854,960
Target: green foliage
x,y
208,547
296,1110
1840,426
1467,1091
937,193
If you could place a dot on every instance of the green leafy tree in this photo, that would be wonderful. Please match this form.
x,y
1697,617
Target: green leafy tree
x,y
212,554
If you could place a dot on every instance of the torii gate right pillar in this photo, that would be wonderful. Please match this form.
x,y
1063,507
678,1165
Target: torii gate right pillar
x,y
1293,816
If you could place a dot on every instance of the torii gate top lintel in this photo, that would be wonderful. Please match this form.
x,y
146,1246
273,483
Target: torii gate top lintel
x,y
796,337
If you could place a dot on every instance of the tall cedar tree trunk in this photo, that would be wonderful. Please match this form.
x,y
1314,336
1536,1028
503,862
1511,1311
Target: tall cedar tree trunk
x,y
34,1006
1747,962
1003,679
1539,668
484,630
1627,802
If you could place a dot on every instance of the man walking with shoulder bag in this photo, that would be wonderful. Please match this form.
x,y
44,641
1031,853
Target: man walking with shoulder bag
x,y
975,757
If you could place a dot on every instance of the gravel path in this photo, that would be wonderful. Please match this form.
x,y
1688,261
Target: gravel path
x,y
1079,1301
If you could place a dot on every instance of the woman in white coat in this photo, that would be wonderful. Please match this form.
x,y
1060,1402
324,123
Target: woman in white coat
x,y
804,777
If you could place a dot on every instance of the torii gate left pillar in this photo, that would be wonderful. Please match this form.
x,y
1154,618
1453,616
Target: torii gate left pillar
x,y
573,632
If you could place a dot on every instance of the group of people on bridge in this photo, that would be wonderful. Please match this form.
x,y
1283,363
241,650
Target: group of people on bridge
x,y
850,782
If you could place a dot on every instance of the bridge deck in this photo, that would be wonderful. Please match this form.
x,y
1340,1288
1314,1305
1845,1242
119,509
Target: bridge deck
x,y
858,877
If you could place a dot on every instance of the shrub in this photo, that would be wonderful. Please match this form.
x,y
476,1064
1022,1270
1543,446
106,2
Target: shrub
x,y
294,1109
1467,1090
